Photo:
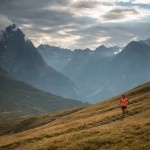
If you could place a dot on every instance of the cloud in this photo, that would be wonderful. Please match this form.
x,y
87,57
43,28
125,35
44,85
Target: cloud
x,y
83,4
78,23
120,13
4,21
141,2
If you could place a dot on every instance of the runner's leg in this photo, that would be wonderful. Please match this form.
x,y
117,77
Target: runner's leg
x,y
123,112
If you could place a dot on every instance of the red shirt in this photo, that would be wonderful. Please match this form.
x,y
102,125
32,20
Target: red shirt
x,y
123,101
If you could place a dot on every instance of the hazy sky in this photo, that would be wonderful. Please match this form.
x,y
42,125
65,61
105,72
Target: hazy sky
x,y
78,23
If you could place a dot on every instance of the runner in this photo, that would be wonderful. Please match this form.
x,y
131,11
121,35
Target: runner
x,y
124,102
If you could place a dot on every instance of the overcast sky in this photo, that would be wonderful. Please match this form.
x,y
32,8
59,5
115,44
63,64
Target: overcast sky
x,y
78,23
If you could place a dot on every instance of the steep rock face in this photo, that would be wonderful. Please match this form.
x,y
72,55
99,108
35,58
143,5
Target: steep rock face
x,y
21,59
133,64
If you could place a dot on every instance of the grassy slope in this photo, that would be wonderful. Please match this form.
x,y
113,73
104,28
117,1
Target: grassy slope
x,y
18,98
94,127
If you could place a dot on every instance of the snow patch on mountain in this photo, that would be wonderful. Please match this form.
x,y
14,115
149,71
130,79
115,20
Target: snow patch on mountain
x,y
117,52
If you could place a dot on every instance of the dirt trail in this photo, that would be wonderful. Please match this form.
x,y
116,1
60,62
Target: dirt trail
x,y
126,117
103,124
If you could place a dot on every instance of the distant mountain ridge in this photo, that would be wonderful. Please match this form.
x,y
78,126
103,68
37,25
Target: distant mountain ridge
x,y
106,72
21,59
18,98
60,58
71,63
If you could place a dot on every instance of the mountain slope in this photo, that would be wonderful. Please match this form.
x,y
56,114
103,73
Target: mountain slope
x,y
55,56
95,127
21,59
18,98
106,77
132,66
147,41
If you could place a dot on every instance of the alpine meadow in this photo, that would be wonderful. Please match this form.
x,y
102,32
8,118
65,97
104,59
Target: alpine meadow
x,y
94,127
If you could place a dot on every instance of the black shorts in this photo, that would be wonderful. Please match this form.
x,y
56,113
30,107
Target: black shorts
x,y
124,107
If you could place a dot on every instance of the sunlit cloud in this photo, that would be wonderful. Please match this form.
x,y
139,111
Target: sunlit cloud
x,y
54,40
102,39
111,1
120,14
27,26
141,2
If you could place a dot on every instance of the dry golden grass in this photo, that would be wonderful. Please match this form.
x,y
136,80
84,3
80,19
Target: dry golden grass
x,y
97,127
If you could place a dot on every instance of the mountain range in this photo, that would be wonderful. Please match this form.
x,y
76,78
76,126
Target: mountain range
x,y
87,75
64,59
104,72
17,98
21,59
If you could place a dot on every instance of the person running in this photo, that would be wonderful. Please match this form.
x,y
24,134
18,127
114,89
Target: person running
x,y
124,102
